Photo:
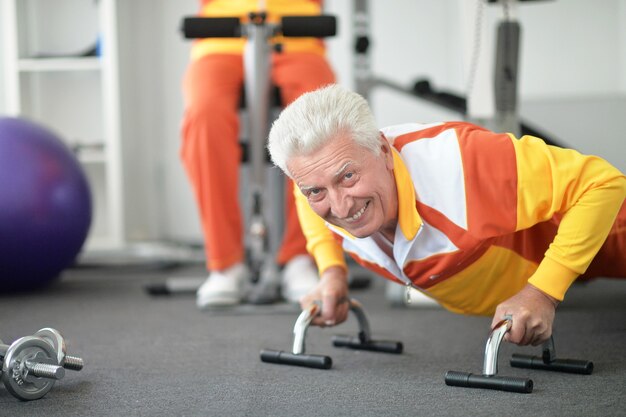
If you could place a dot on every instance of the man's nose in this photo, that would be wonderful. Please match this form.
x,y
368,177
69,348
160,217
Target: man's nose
x,y
340,204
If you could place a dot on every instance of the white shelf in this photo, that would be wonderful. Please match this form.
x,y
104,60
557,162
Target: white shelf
x,y
59,64
75,96
92,156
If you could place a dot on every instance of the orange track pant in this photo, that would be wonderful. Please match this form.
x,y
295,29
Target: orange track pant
x,y
211,153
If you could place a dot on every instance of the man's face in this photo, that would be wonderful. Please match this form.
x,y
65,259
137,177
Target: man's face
x,y
349,186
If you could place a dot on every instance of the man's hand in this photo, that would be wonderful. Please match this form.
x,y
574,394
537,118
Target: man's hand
x,y
532,313
332,291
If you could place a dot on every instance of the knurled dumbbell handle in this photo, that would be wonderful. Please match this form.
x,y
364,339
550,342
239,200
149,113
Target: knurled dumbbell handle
x,y
73,363
45,370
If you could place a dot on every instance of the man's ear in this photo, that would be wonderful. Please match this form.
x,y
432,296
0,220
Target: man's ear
x,y
384,144
385,147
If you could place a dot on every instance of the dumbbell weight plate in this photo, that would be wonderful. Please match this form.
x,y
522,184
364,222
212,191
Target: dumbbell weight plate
x,y
54,338
29,387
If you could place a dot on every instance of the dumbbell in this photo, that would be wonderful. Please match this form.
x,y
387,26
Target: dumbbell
x,y
56,340
29,367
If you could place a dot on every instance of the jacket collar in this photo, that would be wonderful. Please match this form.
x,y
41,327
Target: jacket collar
x,y
409,219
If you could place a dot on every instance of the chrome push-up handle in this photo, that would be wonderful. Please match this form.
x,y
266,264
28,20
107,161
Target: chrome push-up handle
x,y
489,378
298,356
364,341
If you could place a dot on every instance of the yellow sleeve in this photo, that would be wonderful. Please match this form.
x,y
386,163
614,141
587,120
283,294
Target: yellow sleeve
x,y
321,243
586,191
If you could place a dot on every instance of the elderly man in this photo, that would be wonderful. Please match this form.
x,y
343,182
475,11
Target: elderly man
x,y
482,222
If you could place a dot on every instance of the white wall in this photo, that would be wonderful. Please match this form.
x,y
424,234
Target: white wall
x,y
151,105
621,17
569,48
572,65
574,73
573,83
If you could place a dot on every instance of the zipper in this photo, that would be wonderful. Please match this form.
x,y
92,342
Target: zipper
x,y
407,292
408,286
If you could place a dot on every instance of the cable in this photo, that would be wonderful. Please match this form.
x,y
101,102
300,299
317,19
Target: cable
x,y
478,23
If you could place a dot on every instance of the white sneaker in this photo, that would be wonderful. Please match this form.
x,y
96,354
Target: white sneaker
x,y
300,276
224,288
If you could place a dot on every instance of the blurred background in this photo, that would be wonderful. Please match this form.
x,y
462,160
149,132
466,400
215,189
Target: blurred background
x,y
121,109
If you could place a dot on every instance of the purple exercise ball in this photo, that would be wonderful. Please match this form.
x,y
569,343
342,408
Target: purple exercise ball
x,y
45,205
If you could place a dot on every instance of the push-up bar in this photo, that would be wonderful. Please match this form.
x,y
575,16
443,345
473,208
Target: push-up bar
x,y
298,357
489,378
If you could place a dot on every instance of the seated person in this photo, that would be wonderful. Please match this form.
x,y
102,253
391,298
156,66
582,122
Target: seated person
x,y
211,153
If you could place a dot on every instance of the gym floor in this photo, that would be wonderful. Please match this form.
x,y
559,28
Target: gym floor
x,y
160,356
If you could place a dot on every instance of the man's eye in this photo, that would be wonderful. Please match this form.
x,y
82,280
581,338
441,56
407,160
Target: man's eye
x,y
314,194
349,177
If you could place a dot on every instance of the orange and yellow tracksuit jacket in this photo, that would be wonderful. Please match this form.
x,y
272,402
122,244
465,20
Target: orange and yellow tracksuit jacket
x,y
481,214
241,8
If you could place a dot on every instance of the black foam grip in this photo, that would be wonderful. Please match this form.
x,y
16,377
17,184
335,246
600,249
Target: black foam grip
x,y
354,342
211,27
501,383
309,26
572,366
288,358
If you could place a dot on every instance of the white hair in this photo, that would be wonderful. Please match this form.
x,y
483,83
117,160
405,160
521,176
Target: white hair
x,y
318,117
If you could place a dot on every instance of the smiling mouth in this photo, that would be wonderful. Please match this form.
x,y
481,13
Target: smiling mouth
x,y
358,214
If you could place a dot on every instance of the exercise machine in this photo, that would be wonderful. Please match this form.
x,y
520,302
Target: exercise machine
x,y
263,228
